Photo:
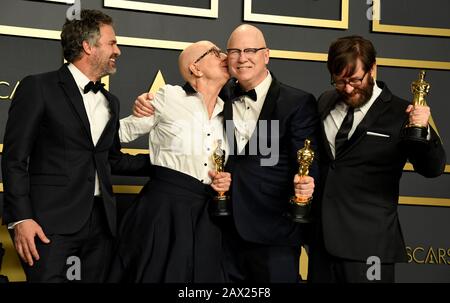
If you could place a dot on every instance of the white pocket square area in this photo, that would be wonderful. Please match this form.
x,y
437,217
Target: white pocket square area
x,y
377,134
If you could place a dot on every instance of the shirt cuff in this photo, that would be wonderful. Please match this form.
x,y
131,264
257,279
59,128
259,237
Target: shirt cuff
x,y
12,225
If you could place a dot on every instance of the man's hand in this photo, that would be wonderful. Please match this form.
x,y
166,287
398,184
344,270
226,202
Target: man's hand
x,y
303,186
142,106
418,114
24,234
221,181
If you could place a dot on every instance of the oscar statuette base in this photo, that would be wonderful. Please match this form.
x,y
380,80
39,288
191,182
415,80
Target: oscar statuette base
x,y
299,212
415,134
220,206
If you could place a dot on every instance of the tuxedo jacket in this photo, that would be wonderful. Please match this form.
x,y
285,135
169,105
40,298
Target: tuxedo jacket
x,y
360,188
49,160
260,193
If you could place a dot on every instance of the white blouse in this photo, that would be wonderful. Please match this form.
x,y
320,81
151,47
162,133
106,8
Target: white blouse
x,y
181,135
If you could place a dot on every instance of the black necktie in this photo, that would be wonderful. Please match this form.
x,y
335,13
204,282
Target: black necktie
x,y
239,92
95,87
342,134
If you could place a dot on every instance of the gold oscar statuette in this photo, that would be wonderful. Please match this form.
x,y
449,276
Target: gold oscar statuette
x,y
221,202
414,132
300,206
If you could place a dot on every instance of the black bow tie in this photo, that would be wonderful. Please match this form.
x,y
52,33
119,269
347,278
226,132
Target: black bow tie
x,y
238,92
95,87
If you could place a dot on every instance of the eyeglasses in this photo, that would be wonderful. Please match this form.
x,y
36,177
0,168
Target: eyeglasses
x,y
236,52
354,82
216,51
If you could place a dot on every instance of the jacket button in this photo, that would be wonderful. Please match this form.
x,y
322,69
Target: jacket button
x,y
332,165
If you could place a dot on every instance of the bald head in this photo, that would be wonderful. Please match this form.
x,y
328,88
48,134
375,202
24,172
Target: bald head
x,y
249,33
248,56
189,55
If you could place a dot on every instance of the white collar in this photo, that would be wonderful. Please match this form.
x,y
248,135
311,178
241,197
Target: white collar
x,y
343,107
375,93
80,79
262,88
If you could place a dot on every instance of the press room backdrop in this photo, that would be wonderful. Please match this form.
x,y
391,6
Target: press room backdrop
x,y
409,36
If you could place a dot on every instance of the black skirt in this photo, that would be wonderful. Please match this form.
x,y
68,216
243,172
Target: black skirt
x,y
167,235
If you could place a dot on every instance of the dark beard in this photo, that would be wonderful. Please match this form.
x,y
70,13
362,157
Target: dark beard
x,y
365,93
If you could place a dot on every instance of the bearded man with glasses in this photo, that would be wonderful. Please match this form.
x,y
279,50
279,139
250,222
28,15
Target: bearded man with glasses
x,y
362,161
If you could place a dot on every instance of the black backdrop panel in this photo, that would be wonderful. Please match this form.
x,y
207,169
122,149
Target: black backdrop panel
x,y
425,227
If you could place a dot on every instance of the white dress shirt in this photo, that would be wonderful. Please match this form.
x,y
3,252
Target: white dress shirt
x,y
182,136
246,112
333,121
97,110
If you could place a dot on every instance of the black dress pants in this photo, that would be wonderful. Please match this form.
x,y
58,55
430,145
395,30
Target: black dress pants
x,y
80,257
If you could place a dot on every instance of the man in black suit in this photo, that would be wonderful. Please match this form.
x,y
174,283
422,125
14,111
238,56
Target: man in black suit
x,y
262,242
60,147
361,166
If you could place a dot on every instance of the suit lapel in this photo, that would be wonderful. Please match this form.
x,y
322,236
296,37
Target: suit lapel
x,y
266,114
325,142
72,92
378,108
113,111
228,109
229,125
330,98
271,100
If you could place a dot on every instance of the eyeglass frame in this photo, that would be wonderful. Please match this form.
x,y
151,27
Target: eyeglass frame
x,y
247,51
348,81
217,51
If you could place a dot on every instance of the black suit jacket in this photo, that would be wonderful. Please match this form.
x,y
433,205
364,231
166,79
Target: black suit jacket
x,y
49,159
360,188
259,193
